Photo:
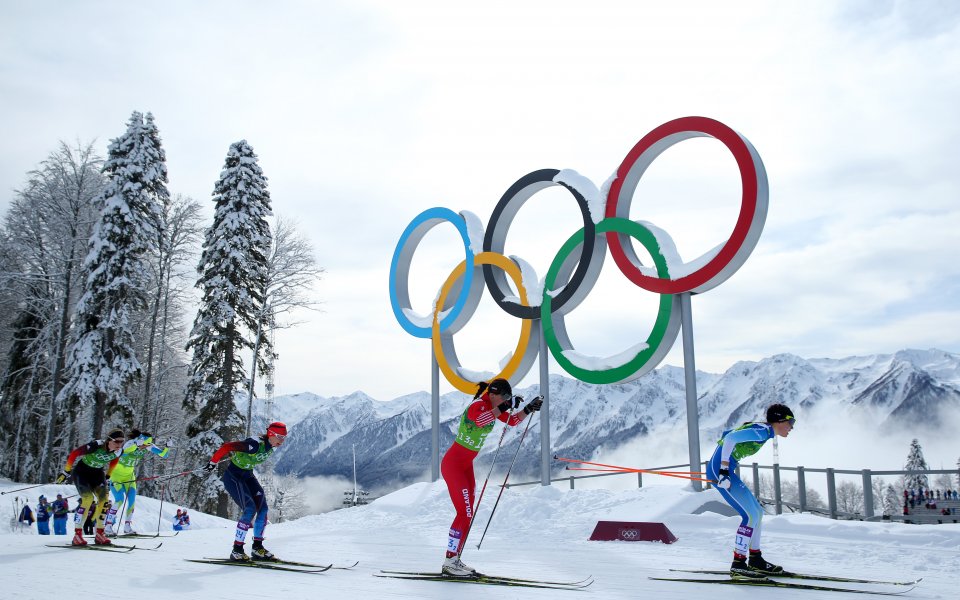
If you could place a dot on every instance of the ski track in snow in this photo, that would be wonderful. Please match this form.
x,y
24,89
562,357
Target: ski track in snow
x,y
537,532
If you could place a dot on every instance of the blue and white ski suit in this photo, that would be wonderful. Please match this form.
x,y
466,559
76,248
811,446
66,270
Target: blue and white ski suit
x,y
734,445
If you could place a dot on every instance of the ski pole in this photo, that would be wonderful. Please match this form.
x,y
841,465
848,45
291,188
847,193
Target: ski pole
x,y
504,485
160,477
627,469
664,473
119,512
484,488
163,492
29,487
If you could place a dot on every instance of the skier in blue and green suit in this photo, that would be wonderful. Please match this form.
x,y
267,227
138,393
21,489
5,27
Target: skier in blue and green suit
x,y
733,446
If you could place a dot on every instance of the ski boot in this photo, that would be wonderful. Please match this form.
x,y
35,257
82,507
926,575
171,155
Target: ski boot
x,y
760,564
238,555
128,529
101,539
739,569
110,531
258,552
78,538
454,567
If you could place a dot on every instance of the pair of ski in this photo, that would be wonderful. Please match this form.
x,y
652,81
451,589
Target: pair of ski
x,y
776,581
105,547
482,579
275,564
137,536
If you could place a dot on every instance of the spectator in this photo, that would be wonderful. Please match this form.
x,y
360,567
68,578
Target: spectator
x,y
60,510
906,511
182,521
26,514
43,516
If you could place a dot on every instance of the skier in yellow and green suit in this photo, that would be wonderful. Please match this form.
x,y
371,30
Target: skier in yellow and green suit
x,y
122,477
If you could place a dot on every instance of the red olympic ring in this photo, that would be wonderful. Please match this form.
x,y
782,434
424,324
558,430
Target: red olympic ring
x,y
746,232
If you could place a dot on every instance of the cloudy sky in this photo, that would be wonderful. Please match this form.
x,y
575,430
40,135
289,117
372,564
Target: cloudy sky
x,y
365,113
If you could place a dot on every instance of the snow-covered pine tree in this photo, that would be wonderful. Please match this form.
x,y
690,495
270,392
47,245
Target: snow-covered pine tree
x,y
102,361
232,278
916,462
892,501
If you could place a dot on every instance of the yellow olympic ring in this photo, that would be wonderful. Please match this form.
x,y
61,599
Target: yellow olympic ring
x,y
440,347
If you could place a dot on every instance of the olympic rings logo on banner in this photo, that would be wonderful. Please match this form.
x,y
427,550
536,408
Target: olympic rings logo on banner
x,y
577,264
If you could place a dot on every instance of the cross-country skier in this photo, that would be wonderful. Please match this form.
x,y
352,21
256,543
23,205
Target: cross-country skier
x,y
85,465
122,477
492,402
734,445
246,491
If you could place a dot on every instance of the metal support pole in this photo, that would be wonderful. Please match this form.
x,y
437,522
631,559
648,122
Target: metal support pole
x,y
690,383
867,494
756,480
434,416
802,488
640,480
777,495
544,360
832,493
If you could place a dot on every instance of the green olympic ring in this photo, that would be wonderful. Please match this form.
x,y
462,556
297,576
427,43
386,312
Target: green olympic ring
x,y
644,356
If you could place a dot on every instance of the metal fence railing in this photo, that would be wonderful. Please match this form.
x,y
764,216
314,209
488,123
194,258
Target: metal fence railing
x,y
778,503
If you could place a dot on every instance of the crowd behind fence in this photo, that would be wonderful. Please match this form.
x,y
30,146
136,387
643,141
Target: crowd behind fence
x,y
831,510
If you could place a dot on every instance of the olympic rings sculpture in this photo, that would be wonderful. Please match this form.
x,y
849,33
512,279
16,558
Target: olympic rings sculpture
x,y
577,265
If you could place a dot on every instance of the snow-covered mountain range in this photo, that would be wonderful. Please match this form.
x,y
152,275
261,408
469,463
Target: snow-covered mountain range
x,y
911,389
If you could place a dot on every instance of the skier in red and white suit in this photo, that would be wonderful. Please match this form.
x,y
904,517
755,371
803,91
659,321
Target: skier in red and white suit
x,y
492,402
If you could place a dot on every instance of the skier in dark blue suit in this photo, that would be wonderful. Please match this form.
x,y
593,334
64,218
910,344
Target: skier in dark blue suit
x,y
241,483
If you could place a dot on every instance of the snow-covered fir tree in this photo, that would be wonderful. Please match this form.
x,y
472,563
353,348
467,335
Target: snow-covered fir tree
x,y
232,278
892,501
916,462
102,361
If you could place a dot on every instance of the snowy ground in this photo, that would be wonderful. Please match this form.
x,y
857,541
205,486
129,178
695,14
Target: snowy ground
x,y
538,532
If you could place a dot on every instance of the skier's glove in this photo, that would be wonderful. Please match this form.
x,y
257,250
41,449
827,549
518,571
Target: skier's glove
x,y
534,405
724,481
210,467
63,476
